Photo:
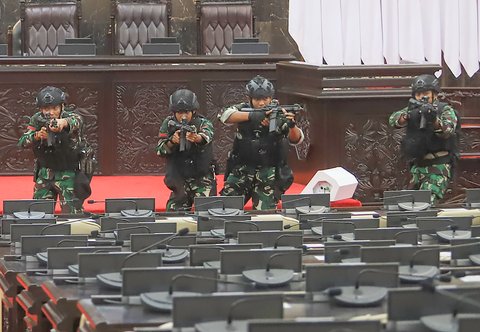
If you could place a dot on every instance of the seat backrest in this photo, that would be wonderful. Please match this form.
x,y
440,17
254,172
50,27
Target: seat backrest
x,y
135,23
46,24
219,22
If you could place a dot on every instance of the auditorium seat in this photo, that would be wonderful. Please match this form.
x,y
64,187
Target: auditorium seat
x,y
46,24
134,23
219,22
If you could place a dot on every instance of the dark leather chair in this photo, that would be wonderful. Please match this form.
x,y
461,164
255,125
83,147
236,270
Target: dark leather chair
x,y
45,24
135,22
219,22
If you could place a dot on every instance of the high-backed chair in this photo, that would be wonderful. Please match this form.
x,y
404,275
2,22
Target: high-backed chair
x,y
134,23
45,24
219,22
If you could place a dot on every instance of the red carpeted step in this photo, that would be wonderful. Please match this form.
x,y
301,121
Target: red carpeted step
x,y
21,187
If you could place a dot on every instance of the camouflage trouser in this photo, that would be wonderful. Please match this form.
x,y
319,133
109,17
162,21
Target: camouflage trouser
x,y
434,178
182,198
256,183
50,184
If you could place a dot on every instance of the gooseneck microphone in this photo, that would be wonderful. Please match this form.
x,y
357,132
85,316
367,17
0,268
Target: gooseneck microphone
x,y
411,205
363,296
174,280
136,212
93,243
279,238
217,212
162,301
232,325
450,321
398,235
69,222
413,273
291,226
182,232
219,232
29,214
269,276
301,209
453,232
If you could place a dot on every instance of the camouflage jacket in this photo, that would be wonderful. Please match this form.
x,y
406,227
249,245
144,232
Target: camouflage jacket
x,y
37,121
448,120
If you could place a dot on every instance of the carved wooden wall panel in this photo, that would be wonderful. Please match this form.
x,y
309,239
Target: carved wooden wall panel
x,y
140,110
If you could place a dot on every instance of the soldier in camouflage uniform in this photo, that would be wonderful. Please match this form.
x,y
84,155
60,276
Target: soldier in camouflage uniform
x,y
257,167
431,138
190,171
53,132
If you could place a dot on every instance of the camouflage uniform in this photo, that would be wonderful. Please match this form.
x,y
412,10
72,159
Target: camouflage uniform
x,y
254,180
185,188
435,177
51,182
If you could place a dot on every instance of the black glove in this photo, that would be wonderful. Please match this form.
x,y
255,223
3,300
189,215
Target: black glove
x,y
256,116
429,112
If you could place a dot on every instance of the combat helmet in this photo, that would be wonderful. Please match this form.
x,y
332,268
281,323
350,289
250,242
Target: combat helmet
x,y
425,82
259,87
50,96
183,100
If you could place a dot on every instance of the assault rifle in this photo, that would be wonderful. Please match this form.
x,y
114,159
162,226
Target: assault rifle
x,y
276,114
46,121
423,111
184,128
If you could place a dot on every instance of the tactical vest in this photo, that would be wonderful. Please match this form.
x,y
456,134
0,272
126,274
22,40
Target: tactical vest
x,y
58,157
254,145
417,142
194,162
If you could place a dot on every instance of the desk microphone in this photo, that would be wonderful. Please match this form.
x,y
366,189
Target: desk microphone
x,y
29,214
162,301
268,276
338,236
221,232
362,296
474,258
182,232
218,212
449,322
291,225
301,209
408,206
401,233
413,273
69,222
170,254
453,232
279,238
93,243
136,212
230,324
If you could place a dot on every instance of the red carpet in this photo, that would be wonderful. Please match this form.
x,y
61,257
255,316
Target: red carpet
x,y
21,187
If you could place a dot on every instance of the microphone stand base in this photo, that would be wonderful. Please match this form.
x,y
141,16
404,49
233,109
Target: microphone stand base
x,y
162,301
363,296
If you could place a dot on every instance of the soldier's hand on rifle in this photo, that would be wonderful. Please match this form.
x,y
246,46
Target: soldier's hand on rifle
x,y
266,122
290,118
175,139
41,134
194,137
257,116
58,125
